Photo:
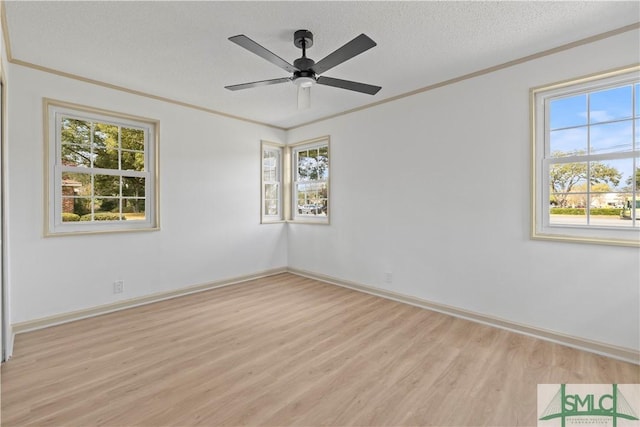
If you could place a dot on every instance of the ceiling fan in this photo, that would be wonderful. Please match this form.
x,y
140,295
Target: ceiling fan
x,y
305,71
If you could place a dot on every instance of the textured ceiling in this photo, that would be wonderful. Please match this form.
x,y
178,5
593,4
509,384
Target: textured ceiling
x,y
179,50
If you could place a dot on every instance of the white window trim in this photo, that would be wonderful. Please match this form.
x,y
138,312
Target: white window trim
x,y
540,227
293,216
53,225
280,149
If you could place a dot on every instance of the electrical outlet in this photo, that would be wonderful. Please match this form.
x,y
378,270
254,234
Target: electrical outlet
x,y
388,277
118,286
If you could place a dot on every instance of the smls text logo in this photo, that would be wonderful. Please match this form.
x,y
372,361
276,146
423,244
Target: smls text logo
x,y
607,405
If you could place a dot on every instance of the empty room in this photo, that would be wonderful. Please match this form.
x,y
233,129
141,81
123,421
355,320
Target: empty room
x,y
307,213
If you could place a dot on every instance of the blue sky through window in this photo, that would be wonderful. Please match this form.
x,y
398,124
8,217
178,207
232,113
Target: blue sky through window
x,y
567,112
595,123
610,104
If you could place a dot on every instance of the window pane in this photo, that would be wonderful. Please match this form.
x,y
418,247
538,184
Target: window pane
x,y
133,187
312,165
324,151
611,175
637,90
133,209
271,191
611,137
566,112
105,142
605,210
628,211
76,155
106,185
303,162
271,207
107,205
132,139
67,210
75,131
568,142
105,135
572,214
270,174
611,104
76,184
133,160
80,206
270,164
312,199
565,179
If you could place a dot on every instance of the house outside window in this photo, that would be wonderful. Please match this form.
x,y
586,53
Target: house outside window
x,y
586,159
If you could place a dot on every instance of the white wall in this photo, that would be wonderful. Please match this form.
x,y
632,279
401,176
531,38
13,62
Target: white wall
x,y
209,206
435,188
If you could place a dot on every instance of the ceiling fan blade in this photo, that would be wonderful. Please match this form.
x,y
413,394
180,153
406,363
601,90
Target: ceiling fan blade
x,y
349,85
344,53
304,97
260,83
254,47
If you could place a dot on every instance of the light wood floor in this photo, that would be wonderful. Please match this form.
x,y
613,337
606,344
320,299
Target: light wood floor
x,y
286,350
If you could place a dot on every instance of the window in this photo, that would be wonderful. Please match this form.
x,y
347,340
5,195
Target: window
x,y
101,170
272,182
295,181
586,154
310,186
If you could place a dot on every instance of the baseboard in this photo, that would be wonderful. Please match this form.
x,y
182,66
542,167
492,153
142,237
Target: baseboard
x,y
45,322
615,352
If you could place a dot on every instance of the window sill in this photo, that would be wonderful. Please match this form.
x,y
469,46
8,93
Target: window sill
x,y
94,231
316,221
630,238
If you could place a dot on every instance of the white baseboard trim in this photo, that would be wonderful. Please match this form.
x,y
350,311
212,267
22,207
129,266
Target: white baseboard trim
x,y
45,322
615,352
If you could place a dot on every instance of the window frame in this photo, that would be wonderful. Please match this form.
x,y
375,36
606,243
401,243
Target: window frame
x,y
294,216
280,172
53,111
541,228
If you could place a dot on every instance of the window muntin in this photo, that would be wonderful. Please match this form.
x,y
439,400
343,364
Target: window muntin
x,y
101,171
272,177
587,159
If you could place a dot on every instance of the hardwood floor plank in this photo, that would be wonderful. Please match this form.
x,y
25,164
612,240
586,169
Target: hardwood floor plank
x,y
286,350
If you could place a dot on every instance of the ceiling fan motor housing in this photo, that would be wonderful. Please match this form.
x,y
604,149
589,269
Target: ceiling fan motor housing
x,y
304,65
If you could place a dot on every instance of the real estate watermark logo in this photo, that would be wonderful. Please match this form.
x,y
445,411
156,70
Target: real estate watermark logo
x,y
606,405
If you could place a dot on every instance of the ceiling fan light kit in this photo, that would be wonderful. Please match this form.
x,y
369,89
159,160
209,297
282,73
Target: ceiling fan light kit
x,y
305,70
304,81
